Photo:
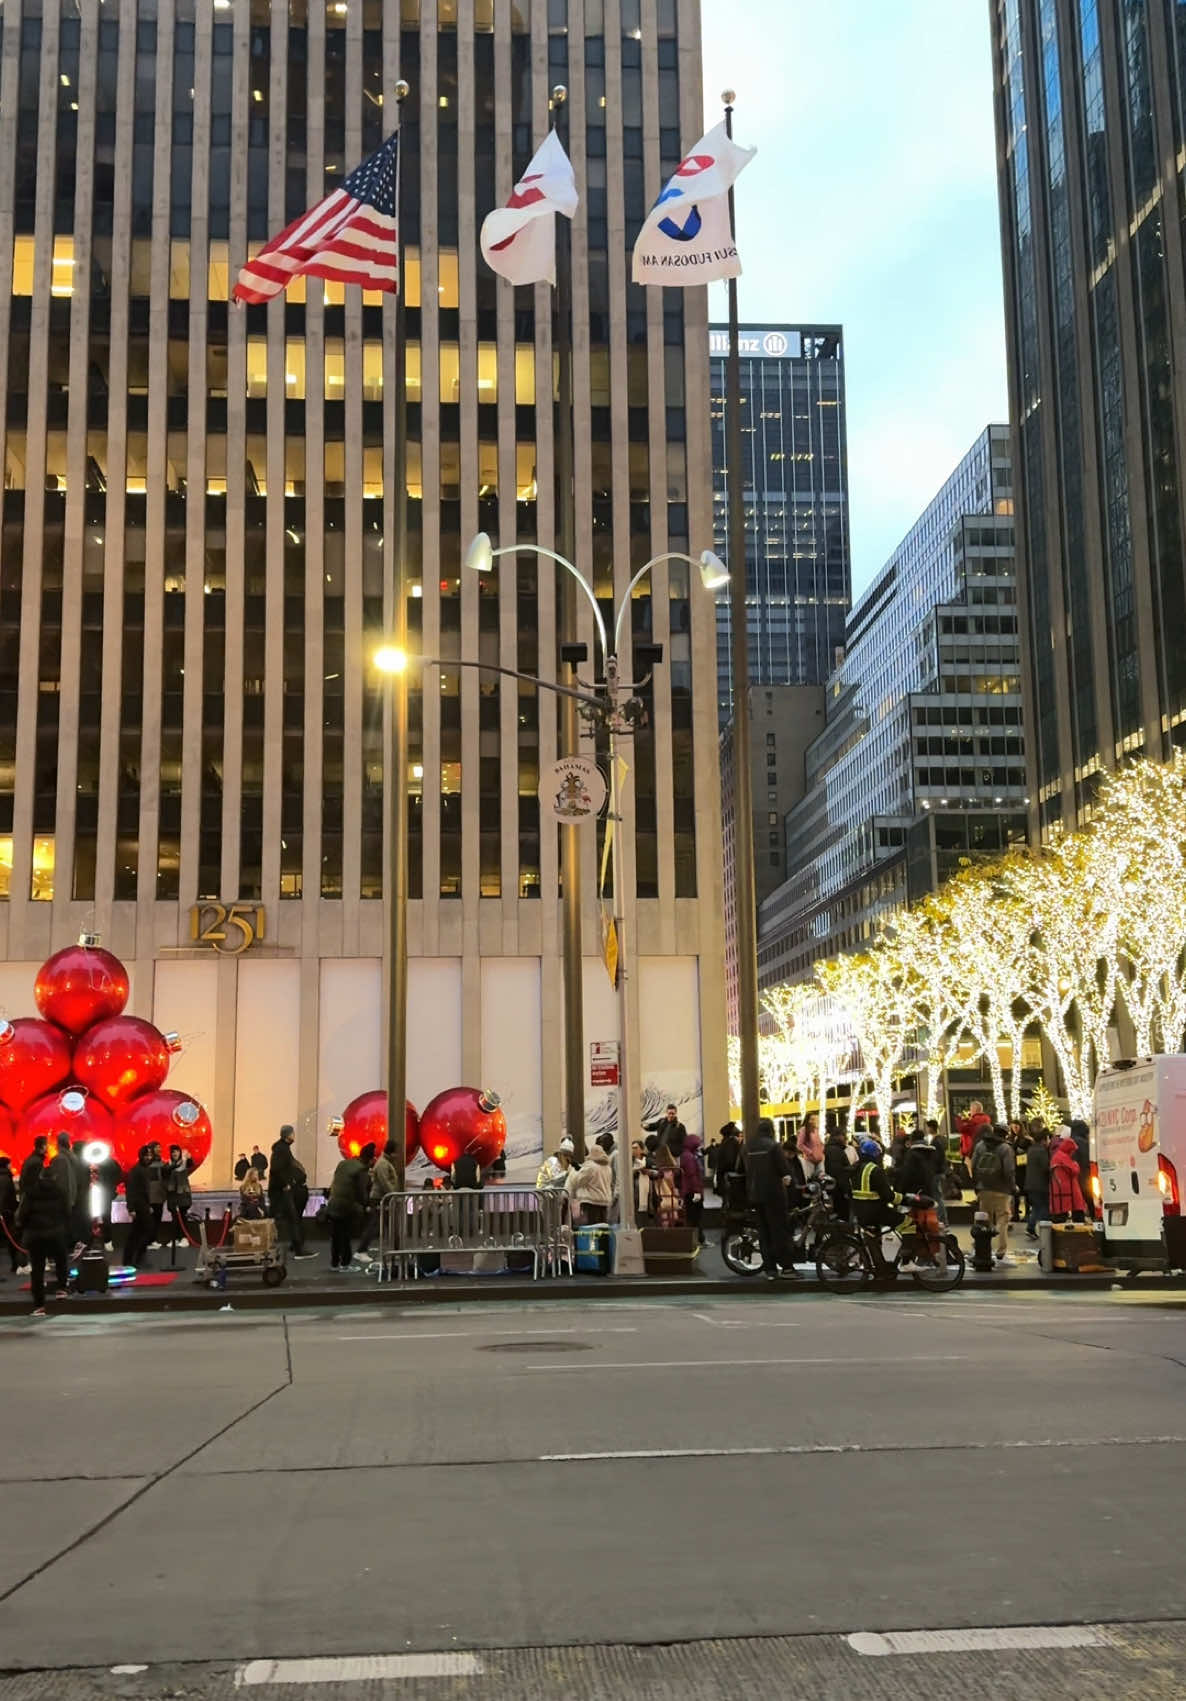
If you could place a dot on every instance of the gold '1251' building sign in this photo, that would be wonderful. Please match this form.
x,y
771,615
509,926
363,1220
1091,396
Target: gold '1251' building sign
x,y
228,928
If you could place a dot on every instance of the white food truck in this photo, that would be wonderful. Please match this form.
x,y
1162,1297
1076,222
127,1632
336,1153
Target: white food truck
x,y
1138,1152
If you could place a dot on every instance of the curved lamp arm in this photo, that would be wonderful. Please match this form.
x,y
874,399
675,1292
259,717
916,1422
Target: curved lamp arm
x,y
713,574
538,549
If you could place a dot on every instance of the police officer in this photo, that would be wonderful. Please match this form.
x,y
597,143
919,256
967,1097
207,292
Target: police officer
x,y
874,1202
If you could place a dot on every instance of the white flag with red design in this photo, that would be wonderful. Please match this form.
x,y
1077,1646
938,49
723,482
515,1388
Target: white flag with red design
x,y
686,237
519,240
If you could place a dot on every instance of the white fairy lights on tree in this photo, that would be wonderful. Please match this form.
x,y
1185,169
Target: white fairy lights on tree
x,y
1072,941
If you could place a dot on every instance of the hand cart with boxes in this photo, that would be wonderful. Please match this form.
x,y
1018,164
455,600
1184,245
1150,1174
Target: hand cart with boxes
x,y
253,1247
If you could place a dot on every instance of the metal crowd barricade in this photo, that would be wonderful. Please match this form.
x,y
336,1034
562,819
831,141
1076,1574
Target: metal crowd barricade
x,y
534,1220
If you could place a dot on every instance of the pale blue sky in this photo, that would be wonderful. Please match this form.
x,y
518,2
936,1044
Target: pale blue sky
x,y
872,203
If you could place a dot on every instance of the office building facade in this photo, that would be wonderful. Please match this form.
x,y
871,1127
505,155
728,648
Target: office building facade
x,y
1091,132
795,494
921,763
197,544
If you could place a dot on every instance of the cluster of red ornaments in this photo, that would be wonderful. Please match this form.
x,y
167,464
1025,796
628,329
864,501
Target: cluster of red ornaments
x,y
461,1119
85,1069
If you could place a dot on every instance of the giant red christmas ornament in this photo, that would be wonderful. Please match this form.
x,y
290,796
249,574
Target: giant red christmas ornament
x,y
364,1123
121,1057
71,1111
81,985
168,1117
34,1058
463,1119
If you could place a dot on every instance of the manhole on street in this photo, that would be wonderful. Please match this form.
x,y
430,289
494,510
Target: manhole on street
x,y
537,1347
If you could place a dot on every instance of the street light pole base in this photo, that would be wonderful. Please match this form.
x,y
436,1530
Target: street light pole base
x,y
628,1259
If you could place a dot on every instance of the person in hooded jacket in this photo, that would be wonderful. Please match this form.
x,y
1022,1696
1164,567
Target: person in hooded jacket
x,y
346,1206
1066,1190
43,1220
136,1196
691,1184
592,1186
768,1182
838,1167
1082,1139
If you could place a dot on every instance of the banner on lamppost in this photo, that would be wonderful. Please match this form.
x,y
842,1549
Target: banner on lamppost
x,y
573,789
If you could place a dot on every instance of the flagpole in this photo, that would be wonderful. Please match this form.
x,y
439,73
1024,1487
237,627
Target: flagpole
x,y
396,883
570,842
744,893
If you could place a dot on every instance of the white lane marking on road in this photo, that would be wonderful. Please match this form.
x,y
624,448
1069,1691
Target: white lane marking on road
x,y
794,1450
979,1641
127,1671
742,1363
362,1668
469,1334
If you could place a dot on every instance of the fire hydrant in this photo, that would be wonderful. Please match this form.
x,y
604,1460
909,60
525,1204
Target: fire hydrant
x,y
981,1241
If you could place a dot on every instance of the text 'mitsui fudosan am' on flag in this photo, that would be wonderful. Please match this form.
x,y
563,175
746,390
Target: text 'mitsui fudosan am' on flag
x,y
685,238
519,240
349,238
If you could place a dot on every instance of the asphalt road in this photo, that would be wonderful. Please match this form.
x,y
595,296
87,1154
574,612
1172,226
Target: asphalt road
x,y
692,1497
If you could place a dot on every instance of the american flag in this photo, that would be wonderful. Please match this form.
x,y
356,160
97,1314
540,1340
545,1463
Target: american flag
x,y
350,237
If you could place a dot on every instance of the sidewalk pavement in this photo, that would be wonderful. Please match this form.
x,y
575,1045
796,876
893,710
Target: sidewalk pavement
x,y
169,1287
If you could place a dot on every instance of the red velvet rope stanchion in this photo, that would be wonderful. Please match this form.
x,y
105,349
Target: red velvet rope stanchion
x,y
15,1244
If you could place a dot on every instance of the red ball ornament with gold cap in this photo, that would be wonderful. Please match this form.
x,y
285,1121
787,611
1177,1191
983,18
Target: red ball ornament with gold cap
x,y
34,1058
71,1110
168,1117
81,985
463,1119
122,1057
364,1123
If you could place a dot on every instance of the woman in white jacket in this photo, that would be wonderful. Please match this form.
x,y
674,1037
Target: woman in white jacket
x,y
592,1186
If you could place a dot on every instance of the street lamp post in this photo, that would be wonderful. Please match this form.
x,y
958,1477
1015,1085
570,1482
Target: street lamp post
x,y
613,708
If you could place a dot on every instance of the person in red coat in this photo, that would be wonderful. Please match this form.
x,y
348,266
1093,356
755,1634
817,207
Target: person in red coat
x,y
970,1127
1066,1194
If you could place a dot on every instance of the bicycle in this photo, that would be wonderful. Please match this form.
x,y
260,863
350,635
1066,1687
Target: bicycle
x,y
808,1226
848,1258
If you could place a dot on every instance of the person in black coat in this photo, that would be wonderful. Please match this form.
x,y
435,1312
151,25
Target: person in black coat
x,y
727,1156
139,1202
838,1168
42,1223
767,1185
918,1170
34,1163
8,1234
286,1184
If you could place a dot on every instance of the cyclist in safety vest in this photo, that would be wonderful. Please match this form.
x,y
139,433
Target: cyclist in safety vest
x,y
874,1202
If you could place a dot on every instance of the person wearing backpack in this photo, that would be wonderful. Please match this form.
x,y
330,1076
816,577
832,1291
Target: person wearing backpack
x,y
993,1177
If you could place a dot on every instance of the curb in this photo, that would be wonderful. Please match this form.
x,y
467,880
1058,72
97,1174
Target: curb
x,y
435,1291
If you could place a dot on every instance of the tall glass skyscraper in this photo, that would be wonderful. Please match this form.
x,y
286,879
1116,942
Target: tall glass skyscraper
x,y
196,540
795,492
1091,132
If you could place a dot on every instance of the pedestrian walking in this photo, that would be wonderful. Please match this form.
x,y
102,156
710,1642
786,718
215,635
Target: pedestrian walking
x,y
346,1206
8,1214
592,1186
993,1177
1067,1198
138,1200
43,1220
691,1185
1037,1180
767,1185
286,1185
